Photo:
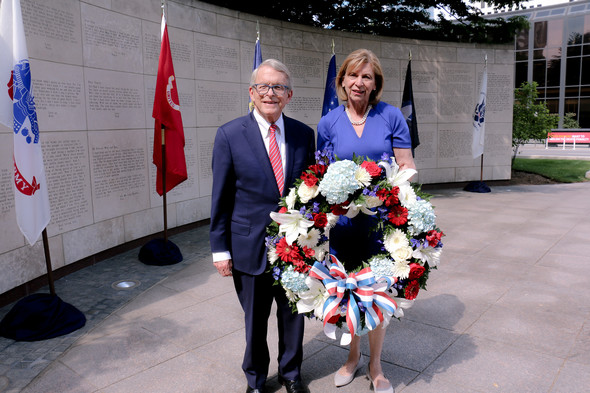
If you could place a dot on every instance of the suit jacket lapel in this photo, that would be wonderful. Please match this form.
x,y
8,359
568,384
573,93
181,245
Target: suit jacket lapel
x,y
252,133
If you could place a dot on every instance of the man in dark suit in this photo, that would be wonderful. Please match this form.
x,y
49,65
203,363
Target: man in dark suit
x,y
256,158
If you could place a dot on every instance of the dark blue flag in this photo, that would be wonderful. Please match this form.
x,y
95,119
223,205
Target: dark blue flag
x,y
256,63
408,108
330,96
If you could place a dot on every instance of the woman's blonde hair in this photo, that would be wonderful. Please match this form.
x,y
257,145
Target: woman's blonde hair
x,y
353,62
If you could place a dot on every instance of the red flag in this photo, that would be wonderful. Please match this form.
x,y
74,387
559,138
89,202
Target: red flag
x,y
167,113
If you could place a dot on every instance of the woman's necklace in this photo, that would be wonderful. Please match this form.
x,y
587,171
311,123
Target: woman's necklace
x,y
361,121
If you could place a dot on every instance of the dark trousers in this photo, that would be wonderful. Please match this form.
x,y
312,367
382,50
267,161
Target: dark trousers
x,y
256,294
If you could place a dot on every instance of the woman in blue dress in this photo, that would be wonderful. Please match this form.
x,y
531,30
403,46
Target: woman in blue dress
x,y
367,127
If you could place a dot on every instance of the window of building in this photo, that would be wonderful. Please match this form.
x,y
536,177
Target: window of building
x,y
584,112
572,71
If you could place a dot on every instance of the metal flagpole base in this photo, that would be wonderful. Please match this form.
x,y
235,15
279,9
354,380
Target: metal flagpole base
x,y
160,252
477,186
41,316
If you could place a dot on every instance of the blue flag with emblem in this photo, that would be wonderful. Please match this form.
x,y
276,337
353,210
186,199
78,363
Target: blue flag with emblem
x,y
330,95
479,117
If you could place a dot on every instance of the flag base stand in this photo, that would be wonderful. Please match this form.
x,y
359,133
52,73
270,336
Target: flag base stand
x,y
160,252
41,316
477,186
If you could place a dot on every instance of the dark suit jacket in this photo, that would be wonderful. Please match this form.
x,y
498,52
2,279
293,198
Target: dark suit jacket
x,y
245,190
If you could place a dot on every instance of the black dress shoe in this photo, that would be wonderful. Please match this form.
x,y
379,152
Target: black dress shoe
x,y
292,386
254,390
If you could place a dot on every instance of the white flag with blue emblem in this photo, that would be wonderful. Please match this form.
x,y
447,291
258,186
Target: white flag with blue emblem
x,y
17,111
479,127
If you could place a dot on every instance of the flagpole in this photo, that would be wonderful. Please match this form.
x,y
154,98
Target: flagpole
x,y
48,262
163,131
481,162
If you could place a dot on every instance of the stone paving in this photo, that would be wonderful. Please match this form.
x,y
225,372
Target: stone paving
x,y
507,311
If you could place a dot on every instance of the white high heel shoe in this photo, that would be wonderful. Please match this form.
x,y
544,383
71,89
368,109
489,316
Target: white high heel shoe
x,y
341,380
388,389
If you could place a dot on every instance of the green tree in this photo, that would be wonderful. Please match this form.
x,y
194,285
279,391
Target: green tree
x,y
569,121
457,21
531,118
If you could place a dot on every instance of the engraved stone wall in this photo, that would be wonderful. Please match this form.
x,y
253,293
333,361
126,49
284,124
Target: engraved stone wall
x,y
94,66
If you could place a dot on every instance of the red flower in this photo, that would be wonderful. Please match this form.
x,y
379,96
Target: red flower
x,y
433,237
320,220
287,253
301,267
412,290
416,271
398,215
318,169
390,198
309,179
309,252
371,167
283,209
339,209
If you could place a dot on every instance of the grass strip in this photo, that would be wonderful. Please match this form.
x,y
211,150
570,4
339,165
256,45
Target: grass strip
x,y
565,171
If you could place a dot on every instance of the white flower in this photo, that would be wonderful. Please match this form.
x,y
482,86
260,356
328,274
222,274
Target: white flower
x,y
272,255
321,250
309,239
428,254
407,195
402,304
395,240
402,254
332,220
314,299
291,199
401,269
292,224
362,176
290,295
353,209
373,201
306,193
395,177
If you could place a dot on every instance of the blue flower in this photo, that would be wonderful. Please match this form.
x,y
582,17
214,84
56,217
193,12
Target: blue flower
x,y
421,217
339,181
276,273
293,280
316,207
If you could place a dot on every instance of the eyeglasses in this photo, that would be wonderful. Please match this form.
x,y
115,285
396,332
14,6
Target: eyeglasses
x,y
262,89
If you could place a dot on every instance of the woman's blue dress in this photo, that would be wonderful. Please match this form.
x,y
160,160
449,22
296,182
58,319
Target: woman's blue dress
x,y
351,239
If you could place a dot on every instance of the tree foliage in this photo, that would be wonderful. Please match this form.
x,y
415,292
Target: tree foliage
x,y
569,121
458,20
531,118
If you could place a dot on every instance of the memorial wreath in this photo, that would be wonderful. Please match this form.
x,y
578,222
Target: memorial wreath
x,y
315,281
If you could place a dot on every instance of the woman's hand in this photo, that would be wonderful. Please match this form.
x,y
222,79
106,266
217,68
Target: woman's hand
x,y
404,158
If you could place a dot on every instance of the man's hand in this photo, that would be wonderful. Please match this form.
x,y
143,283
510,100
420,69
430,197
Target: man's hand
x,y
224,267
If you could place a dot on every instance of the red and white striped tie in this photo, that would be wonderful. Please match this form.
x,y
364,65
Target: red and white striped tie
x,y
275,158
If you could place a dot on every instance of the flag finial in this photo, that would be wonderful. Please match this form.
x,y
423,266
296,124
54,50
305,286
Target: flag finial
x,y
333,47
410,55
486,59
257,31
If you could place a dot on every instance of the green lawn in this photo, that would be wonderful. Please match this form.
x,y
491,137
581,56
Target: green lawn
x,y
565,171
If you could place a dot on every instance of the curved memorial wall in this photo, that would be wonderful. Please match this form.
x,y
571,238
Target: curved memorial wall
x,y
94,67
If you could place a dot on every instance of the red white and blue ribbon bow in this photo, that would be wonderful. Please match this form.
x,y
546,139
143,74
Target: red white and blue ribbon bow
x,y
353,289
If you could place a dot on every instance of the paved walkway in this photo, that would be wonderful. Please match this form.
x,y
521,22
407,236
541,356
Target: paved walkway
x,y
507,311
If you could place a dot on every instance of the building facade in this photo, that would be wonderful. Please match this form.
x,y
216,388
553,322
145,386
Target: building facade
x,y
555,53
